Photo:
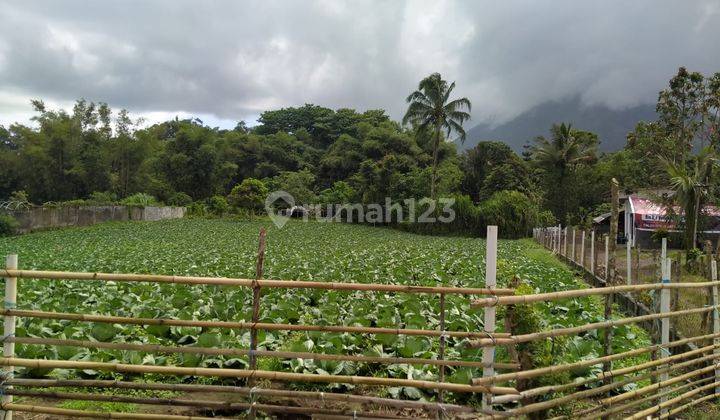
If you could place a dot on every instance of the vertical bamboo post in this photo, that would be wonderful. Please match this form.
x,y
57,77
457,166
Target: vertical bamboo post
x,y
441,352
628,262
565,243
592,252
582,249
256,311
716,323
11,263
488,357
573,245
559,239
637,264
607,259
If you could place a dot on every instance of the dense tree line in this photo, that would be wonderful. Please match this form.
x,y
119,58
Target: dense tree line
x,y
321,155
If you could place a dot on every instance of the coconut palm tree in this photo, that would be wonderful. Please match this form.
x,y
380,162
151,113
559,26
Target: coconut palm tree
x,y
558,156
691,189
431,109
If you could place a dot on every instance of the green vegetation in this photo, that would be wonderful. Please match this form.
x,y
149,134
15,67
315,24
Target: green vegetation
x,y
310,251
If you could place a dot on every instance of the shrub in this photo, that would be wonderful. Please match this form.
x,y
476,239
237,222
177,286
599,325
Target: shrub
x,y
513,212
180,199
102,198
218,205
250,195
139,200
197,210
8,225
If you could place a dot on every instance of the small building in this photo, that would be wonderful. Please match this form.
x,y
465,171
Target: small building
x,y
644,216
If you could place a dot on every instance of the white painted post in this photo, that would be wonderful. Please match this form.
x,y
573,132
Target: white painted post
x,y
607,258
582,249
592,252
489,317
628,262
573,245
11,263
716,323
665,322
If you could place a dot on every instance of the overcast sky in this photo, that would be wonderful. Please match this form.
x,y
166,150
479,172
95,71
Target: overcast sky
x,y
225,61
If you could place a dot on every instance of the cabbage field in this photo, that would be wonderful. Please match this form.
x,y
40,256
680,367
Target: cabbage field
x,y
307,251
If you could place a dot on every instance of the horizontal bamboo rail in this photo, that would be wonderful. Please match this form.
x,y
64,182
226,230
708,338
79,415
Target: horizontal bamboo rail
x,y
658,385
516,339
224,281
588,414
245,391
242,373
245,325
684,407
96,414
593,291
672,401
155,348
217,405
612,373
544,405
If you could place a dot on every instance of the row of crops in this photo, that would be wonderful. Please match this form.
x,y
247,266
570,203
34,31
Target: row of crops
x,y
308,251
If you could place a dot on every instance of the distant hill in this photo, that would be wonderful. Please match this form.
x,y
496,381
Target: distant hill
x,y
610,125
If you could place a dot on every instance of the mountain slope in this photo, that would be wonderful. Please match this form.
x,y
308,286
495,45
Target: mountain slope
x,y
610,125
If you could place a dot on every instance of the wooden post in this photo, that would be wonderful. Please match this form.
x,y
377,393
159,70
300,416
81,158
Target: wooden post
x,y
256,311
488,357
582,249
628,261
565,243
614,219
441,352
607,259
559,238
11,263
592,252
573,245
716,323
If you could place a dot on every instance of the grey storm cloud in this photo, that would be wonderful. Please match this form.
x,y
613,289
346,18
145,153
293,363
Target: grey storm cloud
x,y
232,60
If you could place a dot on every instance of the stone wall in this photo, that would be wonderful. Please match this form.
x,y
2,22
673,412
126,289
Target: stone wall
x,y
47,217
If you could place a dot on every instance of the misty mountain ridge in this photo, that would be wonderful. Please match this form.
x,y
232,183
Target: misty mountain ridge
x,y
611,126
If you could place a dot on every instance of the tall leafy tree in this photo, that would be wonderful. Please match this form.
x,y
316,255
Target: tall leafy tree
x,y
431,109
558,157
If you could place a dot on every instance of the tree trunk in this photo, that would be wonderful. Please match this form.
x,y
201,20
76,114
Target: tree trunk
x,y
433,179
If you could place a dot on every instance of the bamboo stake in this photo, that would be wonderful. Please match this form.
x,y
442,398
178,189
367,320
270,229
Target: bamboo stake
x,y
628,262
587,327
584,363
243,325
441,352
565,233
582,249
219,405
154,348
591,291
611,267
716,320
222,281
256,312
573,245
607,259
97,414
488,356
273,393
242,373
665,308
592,252
11,262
